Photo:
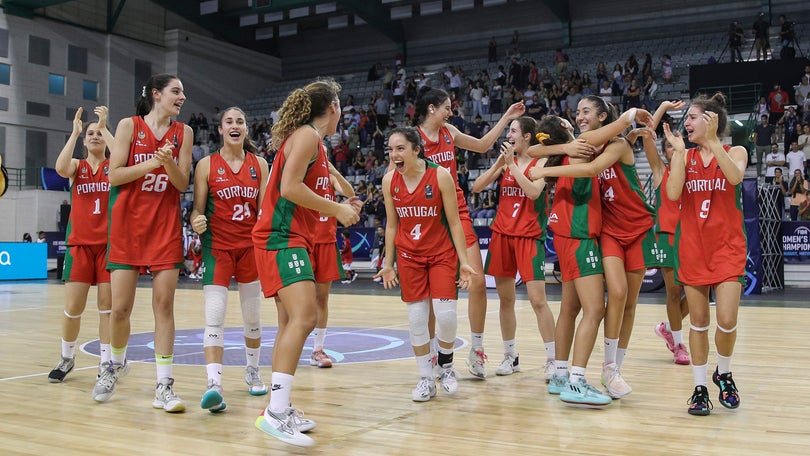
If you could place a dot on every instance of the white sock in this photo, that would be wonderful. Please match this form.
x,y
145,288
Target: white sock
x,y
509,347
561,368
477,340
611,345
620,353
320,337
68,349
669,328
699,373
434,345
425,365
105,353
280,395
214,371
723,364
164,363
252,356
577,373
551,349
677,337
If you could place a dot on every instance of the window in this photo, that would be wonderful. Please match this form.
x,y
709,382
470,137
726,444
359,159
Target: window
x,y
5,74
90,90
56,84
77,59
39,50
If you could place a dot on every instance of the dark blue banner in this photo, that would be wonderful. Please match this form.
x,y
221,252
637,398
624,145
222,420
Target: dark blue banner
x,y
753,261
796,242
51,180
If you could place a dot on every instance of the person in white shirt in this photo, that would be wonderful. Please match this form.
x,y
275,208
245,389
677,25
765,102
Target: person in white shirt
x,y
804,140
774,159
795,158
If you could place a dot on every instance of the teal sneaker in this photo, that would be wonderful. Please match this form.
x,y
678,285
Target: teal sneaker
x,y
582,393
557,383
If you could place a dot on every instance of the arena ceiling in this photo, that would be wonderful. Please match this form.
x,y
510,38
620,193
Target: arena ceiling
x,y
260,24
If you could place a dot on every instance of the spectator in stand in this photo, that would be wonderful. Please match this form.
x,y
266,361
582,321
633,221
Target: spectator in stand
x,y
762,108
786,37
649,89
763,138
761,41
358,166
774,161
601,73
631,66
795,159
801,93
492,51
797,188
477,94
777,99
274,114
202,121
381,109
804,140
666,68
790,124
341,156
646,69
784,200
489,205
560,62
27,238
804,207
606,91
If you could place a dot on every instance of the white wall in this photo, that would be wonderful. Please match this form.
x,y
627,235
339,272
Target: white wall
x,y
29,211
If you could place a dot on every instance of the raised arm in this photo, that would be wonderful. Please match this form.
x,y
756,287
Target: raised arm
x,y
733,162
103,115
532,188
489,175
677,167
482,145
603,161
339,182
66,165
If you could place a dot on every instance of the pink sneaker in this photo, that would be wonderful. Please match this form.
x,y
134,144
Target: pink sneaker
x,y
662,332
681,355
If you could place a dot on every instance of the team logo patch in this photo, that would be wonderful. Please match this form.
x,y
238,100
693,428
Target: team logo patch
x,y
221,170
428,191
446,139
106,170
174,141
253,173
396,189
693,162
141,134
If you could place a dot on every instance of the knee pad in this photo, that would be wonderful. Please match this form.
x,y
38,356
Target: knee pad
x,y
698,328
72,317
251,301
216,297
418,322
727,331
446,319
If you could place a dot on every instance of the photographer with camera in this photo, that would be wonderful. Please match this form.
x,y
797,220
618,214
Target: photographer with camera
x,y
761,41
787,36
735,39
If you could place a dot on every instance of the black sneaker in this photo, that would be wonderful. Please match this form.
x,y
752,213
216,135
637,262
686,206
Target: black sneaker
x,y
61,370
728,390
699,403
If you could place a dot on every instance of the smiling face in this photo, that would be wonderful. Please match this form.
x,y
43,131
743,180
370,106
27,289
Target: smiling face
x,y
516,137
441,113
403,154
171,98
233,127
588,116
93,141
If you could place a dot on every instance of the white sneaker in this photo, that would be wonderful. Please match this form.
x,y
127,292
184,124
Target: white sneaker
x,y
447,378
165,397
106,383
212,398
549,370
613,381
304,424
283,426
476,361
256,386
425,389
345,281
509,365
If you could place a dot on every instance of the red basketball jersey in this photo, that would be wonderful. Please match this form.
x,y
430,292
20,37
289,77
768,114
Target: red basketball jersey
x,y
710,236
625,211
282,224
576,210
326,228
443,153
667,210
232,204
422,228
145,227
89,197
519,215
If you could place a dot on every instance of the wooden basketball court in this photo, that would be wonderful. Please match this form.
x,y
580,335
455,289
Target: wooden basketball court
x,y
366,408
